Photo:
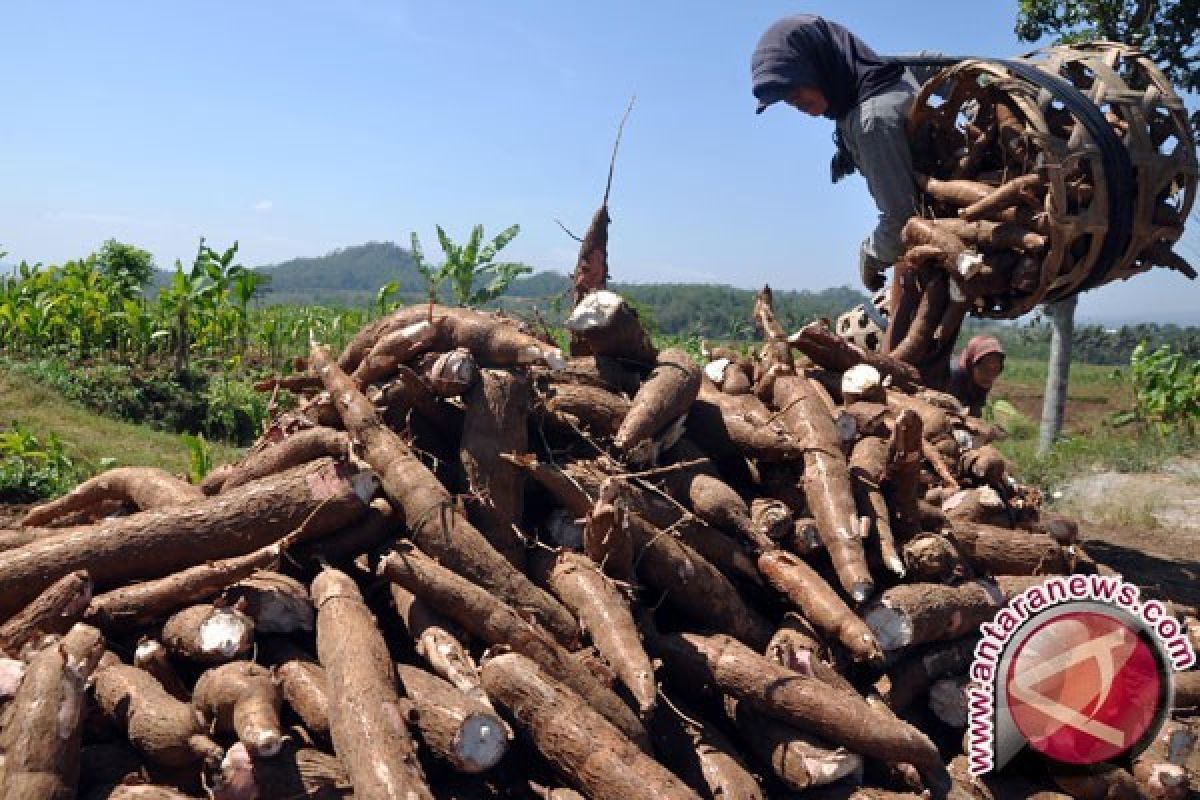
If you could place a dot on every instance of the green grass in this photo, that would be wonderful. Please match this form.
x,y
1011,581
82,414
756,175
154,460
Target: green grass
x,y
1032,373
90,438
1091,442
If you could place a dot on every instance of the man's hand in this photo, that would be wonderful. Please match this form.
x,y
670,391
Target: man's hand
x,y
871,269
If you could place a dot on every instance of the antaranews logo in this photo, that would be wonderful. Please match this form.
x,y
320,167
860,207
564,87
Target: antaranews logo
x,y
1079,668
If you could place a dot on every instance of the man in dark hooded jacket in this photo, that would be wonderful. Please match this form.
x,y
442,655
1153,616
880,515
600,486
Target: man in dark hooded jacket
x,y
822,69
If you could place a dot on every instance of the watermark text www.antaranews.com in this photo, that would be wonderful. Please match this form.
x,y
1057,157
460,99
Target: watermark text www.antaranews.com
x,y
1076,667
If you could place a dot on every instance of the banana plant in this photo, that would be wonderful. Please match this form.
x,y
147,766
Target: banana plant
x,y
469,264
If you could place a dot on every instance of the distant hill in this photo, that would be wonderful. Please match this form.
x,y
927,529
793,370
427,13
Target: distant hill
x,y
351,276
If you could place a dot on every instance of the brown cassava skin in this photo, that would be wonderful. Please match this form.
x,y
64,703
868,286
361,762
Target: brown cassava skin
x,y
298,448
917,341
713,500
604,613
53,612
358,347
701,755
241,697
776,351
796,647
151,656
819,603
622,337
185,635
986,465
601,372
980,505
276,602
903,487
998,235
606,538
932,558
826,481
918,231
794,637
407,396
955,192
908,678
144,488
600,410
793,755
736,380
442,649
903,298
666,394
366,717
162,728
379,525
435,523
496,422
494,341
156,543
723,664
692,583
931,612
583,746
140,603
868,466
1022,189
450,373
488,618
302,681
735,425
41,739
591,267
1003,551
661,511
393,349
441,714
827,349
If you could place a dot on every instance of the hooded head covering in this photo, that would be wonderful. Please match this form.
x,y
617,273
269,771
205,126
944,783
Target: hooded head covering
x,y
807,50
977,348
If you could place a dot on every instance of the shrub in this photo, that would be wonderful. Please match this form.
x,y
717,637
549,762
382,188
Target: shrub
x,y
34,468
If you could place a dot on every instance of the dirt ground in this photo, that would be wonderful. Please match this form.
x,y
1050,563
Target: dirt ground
x,y
1158,544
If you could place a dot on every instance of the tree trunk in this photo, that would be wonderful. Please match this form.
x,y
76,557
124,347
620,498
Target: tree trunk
x,y
1062,324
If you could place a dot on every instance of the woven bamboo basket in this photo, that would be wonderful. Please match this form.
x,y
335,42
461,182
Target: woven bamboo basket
x,y
986,121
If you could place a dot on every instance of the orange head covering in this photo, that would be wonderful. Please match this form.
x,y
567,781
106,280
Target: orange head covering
x,y
977,348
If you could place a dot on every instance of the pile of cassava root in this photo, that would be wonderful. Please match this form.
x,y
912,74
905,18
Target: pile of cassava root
x,y
467,566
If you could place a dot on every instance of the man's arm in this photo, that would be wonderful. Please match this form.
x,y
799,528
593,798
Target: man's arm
x,y
878,141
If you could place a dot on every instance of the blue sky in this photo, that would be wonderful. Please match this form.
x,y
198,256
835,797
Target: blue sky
x,y
300,127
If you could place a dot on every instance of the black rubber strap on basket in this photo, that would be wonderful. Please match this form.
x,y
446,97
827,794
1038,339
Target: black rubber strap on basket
x,y
1118,169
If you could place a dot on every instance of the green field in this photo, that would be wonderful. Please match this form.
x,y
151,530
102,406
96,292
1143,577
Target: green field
x,y
90,438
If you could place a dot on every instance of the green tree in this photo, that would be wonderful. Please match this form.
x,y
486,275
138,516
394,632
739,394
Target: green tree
x,y
125,265
469,265
1165,30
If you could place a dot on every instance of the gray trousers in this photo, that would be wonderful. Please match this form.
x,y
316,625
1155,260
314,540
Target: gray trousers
x,y
874,133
